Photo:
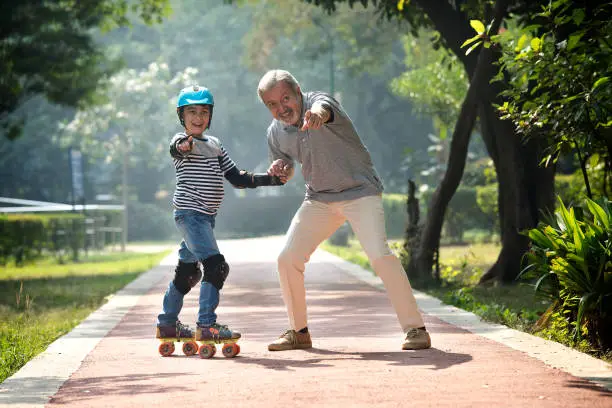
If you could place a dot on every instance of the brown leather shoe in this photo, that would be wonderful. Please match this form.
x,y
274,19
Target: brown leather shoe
x,y
416,339
291,340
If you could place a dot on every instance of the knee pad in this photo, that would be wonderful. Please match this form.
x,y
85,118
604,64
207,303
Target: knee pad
x,y
215,270
186,276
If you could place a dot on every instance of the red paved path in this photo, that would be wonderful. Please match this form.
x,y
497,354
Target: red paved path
x,y
356,360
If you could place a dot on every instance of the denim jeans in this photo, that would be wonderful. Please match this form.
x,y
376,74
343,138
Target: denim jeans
x,y
198,244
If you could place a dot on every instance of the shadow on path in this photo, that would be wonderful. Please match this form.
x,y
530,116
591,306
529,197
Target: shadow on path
x,y
438,359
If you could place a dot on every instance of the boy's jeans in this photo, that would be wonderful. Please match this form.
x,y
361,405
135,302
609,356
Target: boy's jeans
x,y
198,244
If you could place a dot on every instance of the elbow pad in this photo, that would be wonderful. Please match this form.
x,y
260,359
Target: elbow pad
x,y
254,180
264,179
245,179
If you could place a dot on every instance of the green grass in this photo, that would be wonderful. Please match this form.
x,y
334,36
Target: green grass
x,y
461,266
43,301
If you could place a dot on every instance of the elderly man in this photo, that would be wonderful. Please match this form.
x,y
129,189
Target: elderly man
x,y
341,184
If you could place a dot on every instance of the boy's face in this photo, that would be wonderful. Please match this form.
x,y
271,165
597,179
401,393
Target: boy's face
x,y
196,118
284,104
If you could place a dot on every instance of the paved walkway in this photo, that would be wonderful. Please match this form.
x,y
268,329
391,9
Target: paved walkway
x,y
111,359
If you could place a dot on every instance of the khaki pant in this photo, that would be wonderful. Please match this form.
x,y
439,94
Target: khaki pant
x,y
316,221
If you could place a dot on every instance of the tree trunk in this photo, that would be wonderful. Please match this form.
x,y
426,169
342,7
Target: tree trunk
x,y
421,264
513,199
422,261
524,188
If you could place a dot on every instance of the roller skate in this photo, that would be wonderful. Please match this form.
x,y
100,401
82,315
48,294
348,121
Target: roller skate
x,y
176,333
210,336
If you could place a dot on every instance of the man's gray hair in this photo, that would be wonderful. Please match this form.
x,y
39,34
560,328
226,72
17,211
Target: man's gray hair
x,y
272,78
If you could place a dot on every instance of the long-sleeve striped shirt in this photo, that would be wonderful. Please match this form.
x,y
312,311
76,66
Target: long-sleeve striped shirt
x,y
199,175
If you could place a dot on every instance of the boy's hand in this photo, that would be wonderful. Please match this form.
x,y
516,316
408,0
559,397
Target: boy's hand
x,y
281,169
186,145
315,117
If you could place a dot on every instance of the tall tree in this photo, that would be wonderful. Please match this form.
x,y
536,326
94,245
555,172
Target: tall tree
x,y
46,48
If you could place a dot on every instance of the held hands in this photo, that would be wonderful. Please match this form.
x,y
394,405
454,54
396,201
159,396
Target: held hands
x,y
281,169
186,145
315,117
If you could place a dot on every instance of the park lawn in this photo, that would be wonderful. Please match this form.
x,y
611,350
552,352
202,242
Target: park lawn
x,y
43,301
461,266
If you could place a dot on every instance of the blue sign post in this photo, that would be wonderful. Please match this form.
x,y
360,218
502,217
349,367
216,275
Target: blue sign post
x,y
76,170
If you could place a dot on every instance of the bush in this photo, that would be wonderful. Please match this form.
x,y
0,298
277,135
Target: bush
x,y
570,188
570,261
25,236
463,213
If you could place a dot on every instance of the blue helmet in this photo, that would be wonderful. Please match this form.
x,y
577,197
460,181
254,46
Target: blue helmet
x,y
194,95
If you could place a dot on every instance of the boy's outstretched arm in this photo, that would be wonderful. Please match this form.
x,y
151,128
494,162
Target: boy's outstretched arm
x,y
180,146
245,179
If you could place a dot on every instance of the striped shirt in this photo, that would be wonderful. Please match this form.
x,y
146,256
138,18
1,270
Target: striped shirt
x,y
199,175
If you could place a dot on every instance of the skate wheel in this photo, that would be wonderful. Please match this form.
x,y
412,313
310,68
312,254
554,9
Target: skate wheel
x,y
190,348
230,350
207,351
166,348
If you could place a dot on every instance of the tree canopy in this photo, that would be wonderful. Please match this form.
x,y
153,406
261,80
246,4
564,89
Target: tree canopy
x,y
47,49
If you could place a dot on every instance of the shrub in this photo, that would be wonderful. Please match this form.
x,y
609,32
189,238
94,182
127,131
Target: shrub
x,y
570,261
25,236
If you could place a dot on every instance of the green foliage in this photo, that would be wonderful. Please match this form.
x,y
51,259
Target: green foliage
x,y
40,303
571,188
352,253
47,48
570,261
559,329
486,198
434,79
108,130
35,166
493,309
24,237
479,172
463,213
560,89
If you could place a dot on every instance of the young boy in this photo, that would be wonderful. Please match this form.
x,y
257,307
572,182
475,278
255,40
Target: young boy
x,y
201,162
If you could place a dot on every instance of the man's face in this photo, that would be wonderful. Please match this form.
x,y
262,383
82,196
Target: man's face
x,y
196,118
284,104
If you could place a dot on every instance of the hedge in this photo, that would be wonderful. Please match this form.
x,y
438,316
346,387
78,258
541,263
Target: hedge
x,y
25,236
